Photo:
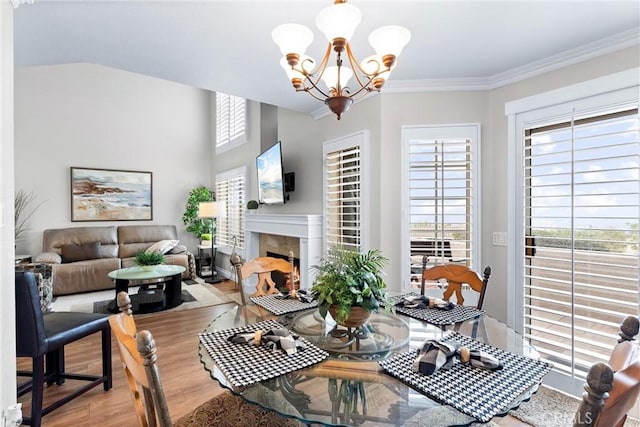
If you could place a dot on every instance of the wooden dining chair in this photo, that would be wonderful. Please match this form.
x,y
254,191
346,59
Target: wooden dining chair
x,y
263,267
612,389
138,354
456,275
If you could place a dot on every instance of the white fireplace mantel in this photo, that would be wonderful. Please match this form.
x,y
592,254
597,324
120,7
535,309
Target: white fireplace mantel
x,y
308,228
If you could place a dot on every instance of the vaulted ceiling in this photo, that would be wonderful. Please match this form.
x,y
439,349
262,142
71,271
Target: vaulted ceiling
x,y
226,45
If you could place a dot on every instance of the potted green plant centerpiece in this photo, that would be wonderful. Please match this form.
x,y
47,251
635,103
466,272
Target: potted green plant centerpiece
x,y
349,285
147,260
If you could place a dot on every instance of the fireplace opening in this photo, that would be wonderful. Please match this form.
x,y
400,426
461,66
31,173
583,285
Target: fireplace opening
x,y
283,280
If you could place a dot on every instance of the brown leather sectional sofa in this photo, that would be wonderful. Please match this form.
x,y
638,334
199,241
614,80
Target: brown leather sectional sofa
x,y
81,257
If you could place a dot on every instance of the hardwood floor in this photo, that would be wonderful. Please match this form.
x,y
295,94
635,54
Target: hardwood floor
x,y
186,383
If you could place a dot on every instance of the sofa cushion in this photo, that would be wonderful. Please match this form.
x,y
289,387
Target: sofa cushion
x,y
81,252
135,238
163,246
53,239
84,276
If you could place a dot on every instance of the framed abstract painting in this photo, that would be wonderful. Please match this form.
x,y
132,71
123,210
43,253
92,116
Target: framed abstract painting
x,y
111,195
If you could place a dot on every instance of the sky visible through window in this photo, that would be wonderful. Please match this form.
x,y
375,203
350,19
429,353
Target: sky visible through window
x,y
583,183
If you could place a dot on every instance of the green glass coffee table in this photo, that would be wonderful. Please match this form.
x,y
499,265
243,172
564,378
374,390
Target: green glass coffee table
x,y
160,287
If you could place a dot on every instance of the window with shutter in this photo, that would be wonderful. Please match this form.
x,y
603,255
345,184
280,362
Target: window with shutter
x,y
344,171
574,202
231,121
580,223
230,187
442,187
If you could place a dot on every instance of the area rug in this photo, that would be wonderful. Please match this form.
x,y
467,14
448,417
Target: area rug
x,y
101,306
552,408
200,295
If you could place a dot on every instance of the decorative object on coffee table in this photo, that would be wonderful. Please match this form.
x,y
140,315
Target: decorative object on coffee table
x,y
349,281
147,260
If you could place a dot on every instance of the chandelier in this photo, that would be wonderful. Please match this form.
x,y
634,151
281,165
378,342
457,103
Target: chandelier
x,y
338,22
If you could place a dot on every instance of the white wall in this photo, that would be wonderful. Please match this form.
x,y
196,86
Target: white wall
x,y
86,115
7,302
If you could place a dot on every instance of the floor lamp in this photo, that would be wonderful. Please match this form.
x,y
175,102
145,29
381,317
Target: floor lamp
x,y
213,210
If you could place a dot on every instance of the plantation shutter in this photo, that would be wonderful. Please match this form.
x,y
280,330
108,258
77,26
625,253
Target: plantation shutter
x,y
441,199
581,186
230,187
343,197
231,123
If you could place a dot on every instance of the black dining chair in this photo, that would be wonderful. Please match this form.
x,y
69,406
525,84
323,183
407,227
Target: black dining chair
x,y
42,337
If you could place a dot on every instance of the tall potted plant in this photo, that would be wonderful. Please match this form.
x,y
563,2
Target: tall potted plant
x,y
196,225
349,285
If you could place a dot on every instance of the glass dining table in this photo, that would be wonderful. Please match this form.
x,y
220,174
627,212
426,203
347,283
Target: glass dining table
x,y
349,387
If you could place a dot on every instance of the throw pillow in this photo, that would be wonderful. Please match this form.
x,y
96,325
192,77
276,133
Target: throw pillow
x,y
84,251
179,249
48,258
163,246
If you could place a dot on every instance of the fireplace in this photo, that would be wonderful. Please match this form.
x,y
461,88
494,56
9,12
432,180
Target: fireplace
x,y
306,231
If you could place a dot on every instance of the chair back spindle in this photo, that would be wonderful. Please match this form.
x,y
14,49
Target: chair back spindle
x,y
139,360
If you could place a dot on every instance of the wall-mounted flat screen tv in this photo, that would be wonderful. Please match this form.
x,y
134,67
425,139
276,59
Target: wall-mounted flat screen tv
x,y
270,176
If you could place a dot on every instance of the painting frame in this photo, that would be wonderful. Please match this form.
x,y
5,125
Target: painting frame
x,y
110,195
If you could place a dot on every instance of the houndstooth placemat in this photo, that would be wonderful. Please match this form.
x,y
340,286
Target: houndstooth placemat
x,y
437,316
282,306
246,364
477,392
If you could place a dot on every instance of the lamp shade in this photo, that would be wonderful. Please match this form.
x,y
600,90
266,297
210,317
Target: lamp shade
x,y
306,63
292,38
373,64
389,40
330,77
338,20
212,210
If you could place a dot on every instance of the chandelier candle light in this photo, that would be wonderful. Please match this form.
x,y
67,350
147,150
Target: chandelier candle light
x,y
338,22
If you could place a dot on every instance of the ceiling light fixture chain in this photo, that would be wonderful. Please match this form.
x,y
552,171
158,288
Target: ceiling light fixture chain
x,y
338,22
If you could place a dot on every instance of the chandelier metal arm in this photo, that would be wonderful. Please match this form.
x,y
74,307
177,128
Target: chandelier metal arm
x,y
355,66
309,75
310,92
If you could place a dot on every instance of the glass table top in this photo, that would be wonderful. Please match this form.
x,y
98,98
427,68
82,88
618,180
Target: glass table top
x,y
138,273
350,387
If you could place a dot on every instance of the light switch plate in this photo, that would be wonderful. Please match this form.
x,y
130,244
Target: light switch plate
x,y
499,238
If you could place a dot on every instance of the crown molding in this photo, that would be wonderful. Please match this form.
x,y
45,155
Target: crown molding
x,y
17,3
573,56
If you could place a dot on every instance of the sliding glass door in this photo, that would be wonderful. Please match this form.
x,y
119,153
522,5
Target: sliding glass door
x,y
580,261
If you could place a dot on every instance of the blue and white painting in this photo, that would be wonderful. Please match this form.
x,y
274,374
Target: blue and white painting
x,y
110,195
